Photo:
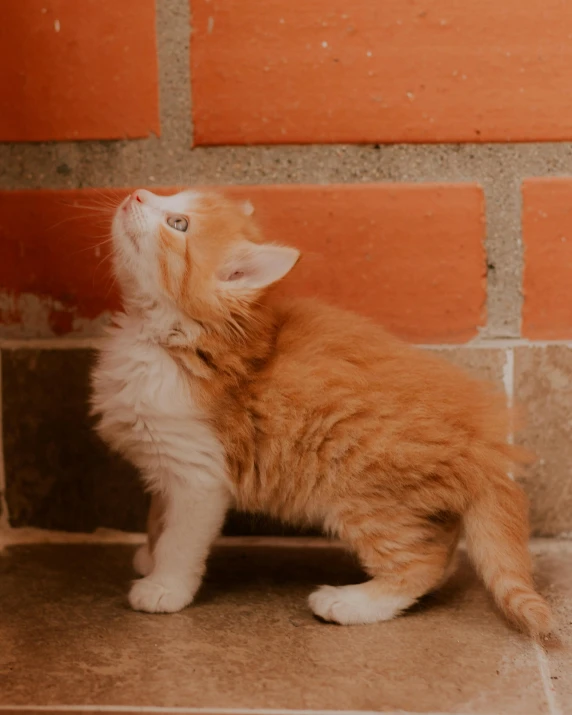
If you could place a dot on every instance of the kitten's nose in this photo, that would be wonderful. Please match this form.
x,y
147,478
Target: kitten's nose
x,y
141,195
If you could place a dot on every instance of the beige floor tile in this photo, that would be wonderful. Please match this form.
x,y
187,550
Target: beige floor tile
x,y
67,637
483,363
554,575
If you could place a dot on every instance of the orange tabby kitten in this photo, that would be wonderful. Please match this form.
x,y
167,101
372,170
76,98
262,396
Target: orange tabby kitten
x,y
224,396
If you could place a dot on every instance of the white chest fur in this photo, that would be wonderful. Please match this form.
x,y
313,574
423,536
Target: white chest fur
x,y
147,412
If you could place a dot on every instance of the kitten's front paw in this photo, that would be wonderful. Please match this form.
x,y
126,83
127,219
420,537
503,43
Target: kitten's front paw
x,y
143,561
154,597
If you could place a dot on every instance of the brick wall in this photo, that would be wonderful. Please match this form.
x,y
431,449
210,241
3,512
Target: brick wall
x,y
417,152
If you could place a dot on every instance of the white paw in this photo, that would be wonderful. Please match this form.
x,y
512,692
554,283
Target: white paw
x,y
143,561
349,605
154,597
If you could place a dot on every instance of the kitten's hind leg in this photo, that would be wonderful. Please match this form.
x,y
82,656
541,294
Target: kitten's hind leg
x,y
405,564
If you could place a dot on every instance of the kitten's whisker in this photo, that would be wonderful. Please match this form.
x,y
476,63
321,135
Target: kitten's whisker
x,y
111,193
103,221
111,286
101,202
91,247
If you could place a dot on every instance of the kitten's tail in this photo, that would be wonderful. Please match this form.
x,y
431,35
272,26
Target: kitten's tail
x,y
496,528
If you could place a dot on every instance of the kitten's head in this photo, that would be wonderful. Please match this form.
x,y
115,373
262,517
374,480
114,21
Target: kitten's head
x,y
198,251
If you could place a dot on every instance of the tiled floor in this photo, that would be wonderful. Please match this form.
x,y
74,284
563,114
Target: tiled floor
x,y
67,638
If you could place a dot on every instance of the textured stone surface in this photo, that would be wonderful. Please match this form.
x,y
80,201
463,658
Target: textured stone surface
x,y
554,569
484,363
58,473
543,385
250,640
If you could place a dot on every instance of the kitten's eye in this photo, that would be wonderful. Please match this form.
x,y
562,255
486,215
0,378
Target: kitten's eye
x,y
179,223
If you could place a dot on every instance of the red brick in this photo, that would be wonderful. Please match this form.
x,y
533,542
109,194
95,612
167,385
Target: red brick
x,y
391,71
410,256
78,69
54,258
547,236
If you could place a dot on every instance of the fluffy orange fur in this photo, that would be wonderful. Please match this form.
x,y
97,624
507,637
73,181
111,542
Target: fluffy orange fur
x,y
327,420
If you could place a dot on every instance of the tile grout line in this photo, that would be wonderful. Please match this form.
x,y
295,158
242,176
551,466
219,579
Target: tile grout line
x,y
4,516
544,671
173,33
503,277
508,382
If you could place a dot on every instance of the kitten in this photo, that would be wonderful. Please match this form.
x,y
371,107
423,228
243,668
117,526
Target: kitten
x,y
225,396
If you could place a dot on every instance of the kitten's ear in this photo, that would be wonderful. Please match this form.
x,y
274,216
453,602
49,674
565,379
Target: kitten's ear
x,y
254,265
